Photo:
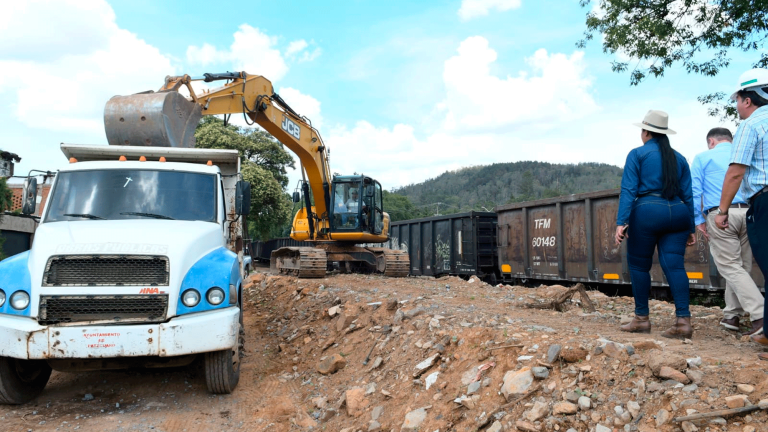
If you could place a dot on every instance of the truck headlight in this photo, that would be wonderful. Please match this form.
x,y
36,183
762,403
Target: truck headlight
x,y
20,300
2,298
215,296
190,298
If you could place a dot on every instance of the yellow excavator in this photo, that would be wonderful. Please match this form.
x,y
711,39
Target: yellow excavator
x,y
338,213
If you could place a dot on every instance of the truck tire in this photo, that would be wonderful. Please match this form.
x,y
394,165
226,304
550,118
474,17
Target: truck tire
x,y
22,380
222,368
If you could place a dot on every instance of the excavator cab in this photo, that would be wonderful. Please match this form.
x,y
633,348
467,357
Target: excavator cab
x,y
357,205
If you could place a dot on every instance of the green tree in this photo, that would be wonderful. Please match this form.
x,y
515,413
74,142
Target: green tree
x,y
399,207
6,200
264,163
526,187
699,35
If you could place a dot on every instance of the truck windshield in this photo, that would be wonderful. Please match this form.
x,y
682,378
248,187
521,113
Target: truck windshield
x,y
133,194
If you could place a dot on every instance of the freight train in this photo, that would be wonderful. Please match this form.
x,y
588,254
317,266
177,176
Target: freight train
x,y
566,239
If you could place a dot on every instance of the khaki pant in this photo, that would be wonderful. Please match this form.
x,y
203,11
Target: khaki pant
x,y
733,257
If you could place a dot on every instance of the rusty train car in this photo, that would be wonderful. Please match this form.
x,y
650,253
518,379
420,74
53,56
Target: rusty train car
x,y
567,239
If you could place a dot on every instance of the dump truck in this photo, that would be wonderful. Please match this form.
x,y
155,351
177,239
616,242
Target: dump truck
x,y
136,262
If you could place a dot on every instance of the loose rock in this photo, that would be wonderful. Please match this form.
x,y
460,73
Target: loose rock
x,y
516,383
538,411
662,417
564,408
331,364
414,419
356,401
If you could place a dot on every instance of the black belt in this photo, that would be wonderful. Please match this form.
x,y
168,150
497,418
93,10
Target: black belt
x,y
760,192
737,205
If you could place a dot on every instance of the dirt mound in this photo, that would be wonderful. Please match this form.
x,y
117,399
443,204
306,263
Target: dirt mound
x,y
463,355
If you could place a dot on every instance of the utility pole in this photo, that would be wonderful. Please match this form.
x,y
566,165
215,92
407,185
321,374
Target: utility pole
x,y
437,209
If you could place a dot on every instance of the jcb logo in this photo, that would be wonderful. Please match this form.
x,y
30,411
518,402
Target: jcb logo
x,y
149,291
291,127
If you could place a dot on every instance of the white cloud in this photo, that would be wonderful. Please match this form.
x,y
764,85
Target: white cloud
x,y
36,29
303,104
309,56
476,8
482,119
59,72
251,51
296,47
555,90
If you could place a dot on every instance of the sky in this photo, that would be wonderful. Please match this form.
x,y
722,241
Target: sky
x,y
401,91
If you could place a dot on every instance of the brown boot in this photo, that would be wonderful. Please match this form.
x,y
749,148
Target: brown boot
x,y
756,327
680,330
639,324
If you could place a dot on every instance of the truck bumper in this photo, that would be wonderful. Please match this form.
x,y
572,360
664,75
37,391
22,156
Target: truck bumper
x,y
23,338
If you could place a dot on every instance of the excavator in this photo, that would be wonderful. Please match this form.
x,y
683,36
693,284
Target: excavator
x,y
340,215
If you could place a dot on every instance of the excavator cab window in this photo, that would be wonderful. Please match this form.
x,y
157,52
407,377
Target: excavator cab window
x,y
347,205
378,213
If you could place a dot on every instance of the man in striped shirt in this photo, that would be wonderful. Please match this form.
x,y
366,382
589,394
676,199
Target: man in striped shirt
x,y
748,169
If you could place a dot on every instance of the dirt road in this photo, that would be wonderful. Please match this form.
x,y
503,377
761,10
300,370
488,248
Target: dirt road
x,y
474,333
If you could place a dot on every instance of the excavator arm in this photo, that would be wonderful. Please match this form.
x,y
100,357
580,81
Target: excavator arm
x,y
168,118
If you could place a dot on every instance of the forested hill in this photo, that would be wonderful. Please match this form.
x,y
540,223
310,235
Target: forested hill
x,y
491,185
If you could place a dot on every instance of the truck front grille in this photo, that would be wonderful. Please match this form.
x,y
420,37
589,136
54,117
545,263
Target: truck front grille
x,y
117,308
106,270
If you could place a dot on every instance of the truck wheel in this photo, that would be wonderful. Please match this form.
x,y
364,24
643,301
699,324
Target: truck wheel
x,y
222,368
22,380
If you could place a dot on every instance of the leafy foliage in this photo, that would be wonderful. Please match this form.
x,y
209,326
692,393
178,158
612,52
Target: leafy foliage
x,y
482,188
263,163
6,197
254,145
697,34
399,207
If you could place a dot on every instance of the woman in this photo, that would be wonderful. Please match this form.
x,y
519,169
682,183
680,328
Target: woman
x,y
656,210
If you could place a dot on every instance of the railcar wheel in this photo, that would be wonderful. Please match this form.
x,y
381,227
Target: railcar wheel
x,y
22,380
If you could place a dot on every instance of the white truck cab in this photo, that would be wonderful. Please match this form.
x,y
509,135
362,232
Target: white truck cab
x,y
137,261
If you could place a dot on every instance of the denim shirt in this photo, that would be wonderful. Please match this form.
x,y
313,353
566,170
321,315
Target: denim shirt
x,y
642,176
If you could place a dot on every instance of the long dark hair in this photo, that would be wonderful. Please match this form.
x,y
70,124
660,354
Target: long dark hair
x,y
670,182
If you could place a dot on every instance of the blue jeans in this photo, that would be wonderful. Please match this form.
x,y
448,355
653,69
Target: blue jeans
x,y
757,231
656,222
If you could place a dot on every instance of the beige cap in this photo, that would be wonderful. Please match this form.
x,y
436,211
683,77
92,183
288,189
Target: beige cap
x,y
656,121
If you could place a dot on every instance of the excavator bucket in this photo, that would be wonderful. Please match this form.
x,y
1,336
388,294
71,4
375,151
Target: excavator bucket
x,y
164,119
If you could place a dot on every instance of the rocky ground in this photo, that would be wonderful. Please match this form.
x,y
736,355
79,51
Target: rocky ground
x,y
445,355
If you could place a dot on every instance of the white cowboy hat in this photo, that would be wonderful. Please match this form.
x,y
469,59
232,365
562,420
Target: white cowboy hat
x,y
656,121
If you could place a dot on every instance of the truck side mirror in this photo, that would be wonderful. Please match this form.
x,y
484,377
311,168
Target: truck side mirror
x,y
369,191
243,198
296,197
30,196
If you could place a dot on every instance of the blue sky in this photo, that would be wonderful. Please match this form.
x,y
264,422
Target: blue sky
x,y
401,90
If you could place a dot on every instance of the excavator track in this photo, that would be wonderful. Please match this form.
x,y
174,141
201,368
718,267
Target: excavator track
x,y
396,263
304,262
